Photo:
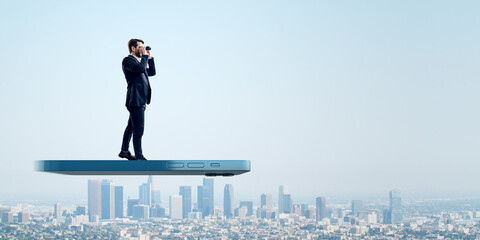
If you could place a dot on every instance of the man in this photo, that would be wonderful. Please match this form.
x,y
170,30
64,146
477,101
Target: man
x,y
137,67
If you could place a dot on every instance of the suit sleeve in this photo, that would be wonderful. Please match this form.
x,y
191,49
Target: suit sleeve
x,y
133,65
151,68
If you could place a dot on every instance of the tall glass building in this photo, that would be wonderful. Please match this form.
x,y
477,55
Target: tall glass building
x,y
207,197
94,198
186,193
321,208
118,201
175,207
228,201
145,194
108,199
281,191
396,211
266,201
357,207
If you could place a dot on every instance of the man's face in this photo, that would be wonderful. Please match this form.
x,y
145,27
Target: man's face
x,y
138,51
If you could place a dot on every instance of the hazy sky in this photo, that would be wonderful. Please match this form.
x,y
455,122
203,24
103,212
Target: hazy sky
x,y
332,98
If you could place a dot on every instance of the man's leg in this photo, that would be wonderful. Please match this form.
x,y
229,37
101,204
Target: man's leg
x,y
127,135
137,116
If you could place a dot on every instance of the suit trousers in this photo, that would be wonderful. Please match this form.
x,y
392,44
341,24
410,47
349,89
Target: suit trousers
x,y
135,126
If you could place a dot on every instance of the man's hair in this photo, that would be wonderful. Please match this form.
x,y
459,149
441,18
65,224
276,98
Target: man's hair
x,y
133,43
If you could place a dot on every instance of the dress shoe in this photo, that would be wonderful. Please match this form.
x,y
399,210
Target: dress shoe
x,y
141,158
126,155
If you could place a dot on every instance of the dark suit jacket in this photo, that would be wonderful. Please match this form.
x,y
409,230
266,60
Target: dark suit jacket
x,y
139,91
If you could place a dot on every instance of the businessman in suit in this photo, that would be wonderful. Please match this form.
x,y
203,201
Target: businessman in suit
x,y
137,67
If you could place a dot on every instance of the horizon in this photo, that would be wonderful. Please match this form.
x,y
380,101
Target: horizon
x,y
344,198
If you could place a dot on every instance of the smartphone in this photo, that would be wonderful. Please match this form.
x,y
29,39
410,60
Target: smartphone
x,y
150,167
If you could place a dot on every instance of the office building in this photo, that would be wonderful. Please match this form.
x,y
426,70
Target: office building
x,y
81,210
186,193
207,197
151,182
387,217
118,201
7,217
130,204
372,218
57,211
321,208
241,212
297,209
157,211
23,217
287,203
228,201
108,199
176,207
145,194
141,212
94,199
156,201
249,206
281,191
308,213
266,201
357,207
396,207
199,199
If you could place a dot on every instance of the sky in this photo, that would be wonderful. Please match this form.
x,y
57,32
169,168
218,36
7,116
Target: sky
x,y
343,99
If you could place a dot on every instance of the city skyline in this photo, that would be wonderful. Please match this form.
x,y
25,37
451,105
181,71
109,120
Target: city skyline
x,y
362,101
435,219
356,219
181,206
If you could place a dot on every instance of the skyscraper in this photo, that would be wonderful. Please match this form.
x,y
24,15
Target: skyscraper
x,y
81,210
200,198
396,207
156,200
130,204
108,199
281,191
186,193
287,203
207,197
94,198
321,209
154,193
241,212
176,207
372,217
297,209
249,206
145,194
57,211
151,182
357,206
266,201
7,217
141,212
23,217
387,216
228,199
119,202
157,211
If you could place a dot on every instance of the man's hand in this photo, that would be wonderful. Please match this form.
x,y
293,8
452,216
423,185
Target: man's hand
x,y
149,55
143,51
